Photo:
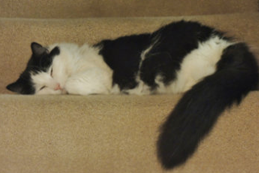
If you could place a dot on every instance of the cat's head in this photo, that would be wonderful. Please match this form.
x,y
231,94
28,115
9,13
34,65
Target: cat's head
x,y
37,78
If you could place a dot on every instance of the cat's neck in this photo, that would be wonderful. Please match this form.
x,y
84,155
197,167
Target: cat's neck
x,y
79,58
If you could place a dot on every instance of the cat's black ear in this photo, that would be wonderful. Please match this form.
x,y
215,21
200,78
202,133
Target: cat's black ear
x,y
38,49
15,87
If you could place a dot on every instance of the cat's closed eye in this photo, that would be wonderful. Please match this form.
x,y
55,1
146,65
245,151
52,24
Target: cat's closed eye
x,y
42,87
51,72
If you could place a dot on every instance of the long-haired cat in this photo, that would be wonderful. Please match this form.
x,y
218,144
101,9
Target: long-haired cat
x,y
213,71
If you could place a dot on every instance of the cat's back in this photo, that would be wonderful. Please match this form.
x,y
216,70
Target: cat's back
x,y
65,47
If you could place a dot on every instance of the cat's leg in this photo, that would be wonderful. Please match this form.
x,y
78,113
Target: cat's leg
x,y
92,81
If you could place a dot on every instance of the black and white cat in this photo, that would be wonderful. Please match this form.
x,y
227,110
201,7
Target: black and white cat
x,y
213,71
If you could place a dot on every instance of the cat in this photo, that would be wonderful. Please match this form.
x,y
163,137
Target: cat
x,y
213,71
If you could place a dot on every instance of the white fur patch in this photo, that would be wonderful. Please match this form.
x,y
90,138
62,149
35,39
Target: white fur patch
x,y
78,70
115,89
45,81
198,64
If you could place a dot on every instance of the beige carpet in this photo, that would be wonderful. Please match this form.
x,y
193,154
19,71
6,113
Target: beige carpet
x,y
113,134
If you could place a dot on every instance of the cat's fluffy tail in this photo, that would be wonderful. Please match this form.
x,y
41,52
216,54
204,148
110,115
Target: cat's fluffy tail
x,y
199,108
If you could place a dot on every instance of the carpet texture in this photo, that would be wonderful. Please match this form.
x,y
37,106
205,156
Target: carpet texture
x,y
113,134
120,8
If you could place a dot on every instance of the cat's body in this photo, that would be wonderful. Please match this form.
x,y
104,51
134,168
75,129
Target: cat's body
x,y
166,61
179,57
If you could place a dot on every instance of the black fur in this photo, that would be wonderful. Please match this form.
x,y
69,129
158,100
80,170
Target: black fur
x,y
175,41
198,110
123,57
171,44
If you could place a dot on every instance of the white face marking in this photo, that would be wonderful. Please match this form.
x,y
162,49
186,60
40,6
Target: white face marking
x,y
76,70
44,83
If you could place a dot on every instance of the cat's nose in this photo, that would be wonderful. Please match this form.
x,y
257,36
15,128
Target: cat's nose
x,y
58,87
